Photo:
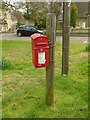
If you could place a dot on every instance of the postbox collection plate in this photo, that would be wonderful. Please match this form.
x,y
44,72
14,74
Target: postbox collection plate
x,y
41,58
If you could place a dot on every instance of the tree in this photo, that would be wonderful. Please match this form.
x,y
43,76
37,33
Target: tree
x,y
74,11
18,15
27,12
7,5
4,6
40,21
33,12
57,10
43,8
36,12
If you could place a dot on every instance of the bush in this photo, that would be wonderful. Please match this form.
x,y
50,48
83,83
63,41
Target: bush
x,y
18,24
40,22
88,47
74,12
5,64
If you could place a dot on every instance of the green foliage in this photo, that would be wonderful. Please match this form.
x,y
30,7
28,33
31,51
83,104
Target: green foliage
x,y
74,11
87,47
5,64
40,21
27,16
27,13
59,25
18,24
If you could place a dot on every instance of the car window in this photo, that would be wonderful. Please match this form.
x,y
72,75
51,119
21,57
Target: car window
x,y
28,28
22,28
33,29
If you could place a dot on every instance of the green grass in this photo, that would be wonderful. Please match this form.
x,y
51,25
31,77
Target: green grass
x,y
24,86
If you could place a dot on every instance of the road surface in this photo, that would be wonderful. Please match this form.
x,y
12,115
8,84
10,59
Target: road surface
x,y
58,38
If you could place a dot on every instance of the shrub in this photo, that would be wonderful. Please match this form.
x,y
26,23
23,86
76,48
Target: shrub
x,y
88,47
5,64
18,24
40,22
74,12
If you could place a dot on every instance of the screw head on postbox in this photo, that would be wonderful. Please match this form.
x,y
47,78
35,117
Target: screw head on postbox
x,y
40,50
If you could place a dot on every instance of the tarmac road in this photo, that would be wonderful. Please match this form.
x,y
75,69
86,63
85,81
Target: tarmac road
x,y
13,36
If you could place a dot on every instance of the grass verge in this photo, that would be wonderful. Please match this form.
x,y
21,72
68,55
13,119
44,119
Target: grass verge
x,y
24,86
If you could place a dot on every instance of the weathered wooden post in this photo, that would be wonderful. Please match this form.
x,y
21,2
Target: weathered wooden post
x,y
0,66
89,17
51,33
66,37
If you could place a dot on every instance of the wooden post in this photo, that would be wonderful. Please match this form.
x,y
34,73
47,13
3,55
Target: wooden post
x,y
89,17
88,58
66,37
51,33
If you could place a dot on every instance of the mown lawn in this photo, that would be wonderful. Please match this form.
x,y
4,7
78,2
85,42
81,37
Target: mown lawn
x,y
24,86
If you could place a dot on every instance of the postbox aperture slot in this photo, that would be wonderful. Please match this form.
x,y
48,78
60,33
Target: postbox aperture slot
x,y
39,44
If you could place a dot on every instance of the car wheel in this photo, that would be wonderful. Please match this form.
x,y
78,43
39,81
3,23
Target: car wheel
x,y
19,34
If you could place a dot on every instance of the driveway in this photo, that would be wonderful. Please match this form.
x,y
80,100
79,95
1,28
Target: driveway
x,y
58,38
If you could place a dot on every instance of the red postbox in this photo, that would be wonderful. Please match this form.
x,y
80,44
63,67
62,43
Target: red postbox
x,y
40,50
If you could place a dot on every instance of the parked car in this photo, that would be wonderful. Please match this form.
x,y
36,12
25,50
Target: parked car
x,y
26,30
